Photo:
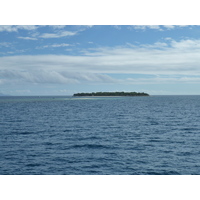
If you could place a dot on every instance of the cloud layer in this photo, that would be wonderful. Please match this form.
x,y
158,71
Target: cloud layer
x,y
156,27
15,28
175,57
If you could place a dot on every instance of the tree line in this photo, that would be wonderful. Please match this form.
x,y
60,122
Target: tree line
x,y
112,94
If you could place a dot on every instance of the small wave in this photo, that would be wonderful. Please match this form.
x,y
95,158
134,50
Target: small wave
x,y
165,172
90,146
185,153
22,133
48,143
189,129
67,130
155,140
90,138
33,165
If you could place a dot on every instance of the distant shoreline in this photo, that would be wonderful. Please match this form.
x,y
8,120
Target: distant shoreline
x,y
110,94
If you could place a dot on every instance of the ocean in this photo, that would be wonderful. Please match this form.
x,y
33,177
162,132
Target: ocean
x,y
155,135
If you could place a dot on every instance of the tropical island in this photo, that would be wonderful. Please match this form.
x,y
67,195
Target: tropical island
x,y
103,94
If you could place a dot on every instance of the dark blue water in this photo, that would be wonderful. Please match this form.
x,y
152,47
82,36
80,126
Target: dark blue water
x,y
121,135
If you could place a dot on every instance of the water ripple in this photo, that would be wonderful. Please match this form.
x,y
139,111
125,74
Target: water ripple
x,y
158,135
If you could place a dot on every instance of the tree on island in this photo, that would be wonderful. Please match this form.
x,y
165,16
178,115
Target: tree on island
x,y
112,94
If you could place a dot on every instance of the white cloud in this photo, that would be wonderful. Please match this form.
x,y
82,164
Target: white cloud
x,y
51,77
60,45
162,80
168,38
58,35
89,26
54,46
27,38
90,77
186,45
176,57
169,26
117,27
35,76
58,26
15,28
144,27
156,27
155,45
57,32
27,27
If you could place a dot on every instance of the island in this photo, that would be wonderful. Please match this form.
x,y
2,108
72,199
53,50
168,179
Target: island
x,y
104,94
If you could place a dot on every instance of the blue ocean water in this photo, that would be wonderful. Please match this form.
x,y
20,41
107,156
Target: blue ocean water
x,y
100,135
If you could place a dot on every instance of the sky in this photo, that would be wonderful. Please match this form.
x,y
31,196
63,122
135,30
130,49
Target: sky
x,y
67,59
62,60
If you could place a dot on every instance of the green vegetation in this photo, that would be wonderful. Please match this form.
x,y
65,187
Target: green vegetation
x,y
112,94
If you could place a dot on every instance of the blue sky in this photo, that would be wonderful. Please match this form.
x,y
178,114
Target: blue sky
x,y
63,60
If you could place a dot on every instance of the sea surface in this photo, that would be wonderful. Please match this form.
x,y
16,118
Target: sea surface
x,y
155,135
